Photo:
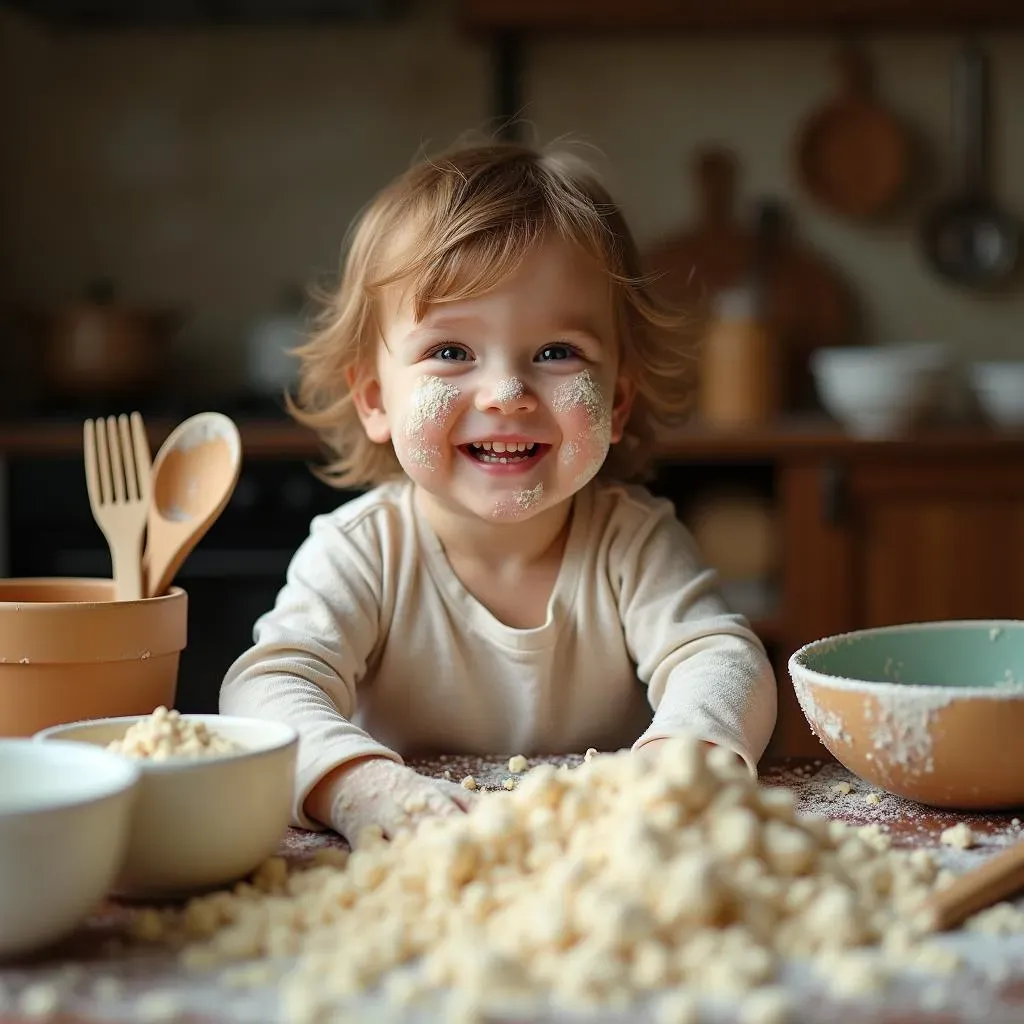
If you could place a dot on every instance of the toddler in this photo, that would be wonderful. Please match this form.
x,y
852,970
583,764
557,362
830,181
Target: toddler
x,y
492,365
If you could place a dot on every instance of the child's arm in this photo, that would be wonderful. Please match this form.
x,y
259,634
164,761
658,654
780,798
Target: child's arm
x,y
706,671
310,653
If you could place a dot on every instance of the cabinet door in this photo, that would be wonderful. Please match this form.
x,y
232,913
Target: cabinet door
x,y
937,542
872,540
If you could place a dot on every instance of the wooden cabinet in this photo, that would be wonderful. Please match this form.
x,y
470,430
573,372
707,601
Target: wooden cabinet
x,y
879,533
737,15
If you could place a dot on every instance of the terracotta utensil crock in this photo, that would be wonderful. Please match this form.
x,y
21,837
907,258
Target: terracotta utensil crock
x,y
69,650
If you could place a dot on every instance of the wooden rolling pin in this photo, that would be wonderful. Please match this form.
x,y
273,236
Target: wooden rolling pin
x,y
995,880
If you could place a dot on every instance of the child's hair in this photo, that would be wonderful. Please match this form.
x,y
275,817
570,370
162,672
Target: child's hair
x,y
453,227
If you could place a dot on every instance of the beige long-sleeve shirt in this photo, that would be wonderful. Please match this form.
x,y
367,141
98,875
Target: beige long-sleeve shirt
x,y
374,646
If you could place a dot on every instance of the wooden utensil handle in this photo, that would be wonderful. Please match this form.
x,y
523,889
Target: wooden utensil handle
x,y
854,70
715,173
995,880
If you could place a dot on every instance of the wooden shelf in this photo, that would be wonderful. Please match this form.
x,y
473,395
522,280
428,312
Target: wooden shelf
x,y
738,16
790,439
816,436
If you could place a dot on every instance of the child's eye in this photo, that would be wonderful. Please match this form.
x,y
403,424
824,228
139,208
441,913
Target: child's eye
x,y
550,353
450,353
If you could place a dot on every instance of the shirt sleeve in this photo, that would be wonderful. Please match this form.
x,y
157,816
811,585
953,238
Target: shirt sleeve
x,y
706,671
310,652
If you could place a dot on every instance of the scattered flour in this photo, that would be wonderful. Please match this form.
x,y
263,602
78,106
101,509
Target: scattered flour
x,y
960,836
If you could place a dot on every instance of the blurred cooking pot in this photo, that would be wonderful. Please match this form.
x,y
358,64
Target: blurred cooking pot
x,y
99,347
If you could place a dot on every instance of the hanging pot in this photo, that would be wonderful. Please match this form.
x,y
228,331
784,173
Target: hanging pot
x,y
99,347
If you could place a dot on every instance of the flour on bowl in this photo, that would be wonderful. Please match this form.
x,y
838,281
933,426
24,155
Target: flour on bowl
x,y
165,734
903,733
821,720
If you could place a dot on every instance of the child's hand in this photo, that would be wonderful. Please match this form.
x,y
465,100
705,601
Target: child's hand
x,y
651,749
653,746
377,791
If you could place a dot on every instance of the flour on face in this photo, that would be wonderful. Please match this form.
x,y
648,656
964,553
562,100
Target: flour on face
x,y
430,406
509,389
588,449
520,503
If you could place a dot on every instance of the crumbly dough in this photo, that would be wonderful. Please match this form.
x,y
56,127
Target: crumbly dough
x,y
469,783
959,836
592,887
165,734
518,764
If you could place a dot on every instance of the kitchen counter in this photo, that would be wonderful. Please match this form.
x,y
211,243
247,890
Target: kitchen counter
x,y
990,988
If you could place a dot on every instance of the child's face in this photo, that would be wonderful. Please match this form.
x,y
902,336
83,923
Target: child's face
x,y
504,404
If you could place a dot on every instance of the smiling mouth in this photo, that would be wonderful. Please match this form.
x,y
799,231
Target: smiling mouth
x,y
502,453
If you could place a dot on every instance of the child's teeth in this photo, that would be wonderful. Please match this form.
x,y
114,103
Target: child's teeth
x,y
502,446
495,451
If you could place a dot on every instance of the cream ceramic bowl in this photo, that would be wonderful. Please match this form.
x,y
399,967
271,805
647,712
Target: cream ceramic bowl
x,y
999,387
932,711
199,823
878,391
64,818
69,651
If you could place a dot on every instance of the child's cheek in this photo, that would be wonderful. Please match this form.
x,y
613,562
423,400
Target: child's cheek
x,y
431,406
587,425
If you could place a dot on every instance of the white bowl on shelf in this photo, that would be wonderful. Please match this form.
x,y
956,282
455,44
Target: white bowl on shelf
x,y
998,386
880,391
65,812
200,822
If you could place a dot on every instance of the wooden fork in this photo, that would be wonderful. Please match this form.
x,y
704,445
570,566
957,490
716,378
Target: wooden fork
x,y
117,472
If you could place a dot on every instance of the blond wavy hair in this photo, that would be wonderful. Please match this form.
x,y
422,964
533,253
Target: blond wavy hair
x,y
452,227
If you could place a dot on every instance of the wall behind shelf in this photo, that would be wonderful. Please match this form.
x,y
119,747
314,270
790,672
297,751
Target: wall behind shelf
x,y
207,168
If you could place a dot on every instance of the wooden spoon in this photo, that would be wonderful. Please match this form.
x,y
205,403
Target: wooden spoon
x,y
995,880
194,476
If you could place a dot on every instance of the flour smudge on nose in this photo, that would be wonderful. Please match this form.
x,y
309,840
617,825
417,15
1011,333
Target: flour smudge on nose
x,y
584,392
520,503
508,389
431,404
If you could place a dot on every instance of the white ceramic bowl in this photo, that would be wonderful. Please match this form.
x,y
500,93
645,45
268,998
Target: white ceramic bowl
x,y
880,390
64,820
199,823
999,388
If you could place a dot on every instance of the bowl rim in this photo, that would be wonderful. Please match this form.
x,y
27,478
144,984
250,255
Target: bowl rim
x,y
130,773
289,738
174,593
797,666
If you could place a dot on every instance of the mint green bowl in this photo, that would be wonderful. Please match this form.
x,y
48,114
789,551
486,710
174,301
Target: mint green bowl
x,y
933,711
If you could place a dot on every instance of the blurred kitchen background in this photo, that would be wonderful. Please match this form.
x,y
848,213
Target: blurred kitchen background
x,y
176,174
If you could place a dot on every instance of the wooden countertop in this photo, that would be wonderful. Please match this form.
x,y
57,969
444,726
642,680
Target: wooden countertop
x,y
99,948
791,439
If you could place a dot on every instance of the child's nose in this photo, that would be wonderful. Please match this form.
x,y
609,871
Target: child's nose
x,y
507,395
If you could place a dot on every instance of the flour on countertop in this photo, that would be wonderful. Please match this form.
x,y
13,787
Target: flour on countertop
x,y
987,989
